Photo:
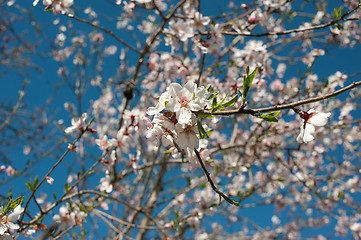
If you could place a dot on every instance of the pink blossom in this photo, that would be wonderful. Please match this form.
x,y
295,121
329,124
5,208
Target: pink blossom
x,y
10,171
103,143
50,180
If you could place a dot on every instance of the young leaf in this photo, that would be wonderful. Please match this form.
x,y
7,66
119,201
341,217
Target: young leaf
x,y
204,115
202,133
230,102
29,186
36,180
213,95
12,204
247,82
269,117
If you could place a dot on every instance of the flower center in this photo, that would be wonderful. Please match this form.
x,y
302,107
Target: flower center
x,y
183,102
306,116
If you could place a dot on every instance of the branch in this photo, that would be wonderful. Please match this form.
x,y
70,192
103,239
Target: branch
x,y
13,112
292,30
231,201
106,31
281,107
52,169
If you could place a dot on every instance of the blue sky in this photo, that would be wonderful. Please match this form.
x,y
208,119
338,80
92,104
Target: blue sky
x,y
41,85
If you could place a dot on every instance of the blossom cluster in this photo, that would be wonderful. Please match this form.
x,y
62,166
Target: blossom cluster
x,y
69,216
175,121
57,6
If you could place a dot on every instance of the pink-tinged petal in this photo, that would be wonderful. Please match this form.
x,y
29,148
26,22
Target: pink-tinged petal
x,y
167,140
319,119
181,140
57,218
185,94
173,105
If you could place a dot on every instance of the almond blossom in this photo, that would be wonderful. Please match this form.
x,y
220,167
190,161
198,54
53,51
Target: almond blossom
x,y
77,124
105,184
69,216
7,222
58,6
50,180
184,100
311,119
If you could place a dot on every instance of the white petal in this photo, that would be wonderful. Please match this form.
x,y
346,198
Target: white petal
x,y
311,111
3,229
299,137
320,119
154,110
13,225
193,141
194,105
308,133
190,86
174,89
184,115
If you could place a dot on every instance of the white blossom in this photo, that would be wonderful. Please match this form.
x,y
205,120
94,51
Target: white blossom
x,y
311,119
7,221
76,123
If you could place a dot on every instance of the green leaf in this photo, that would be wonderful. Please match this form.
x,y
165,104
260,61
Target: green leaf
x,y
202,133
29,186
209,88
213,95
269,117
66,187
230,103
247,82
214,103
36,180
336,13
168,152
12,204
205,115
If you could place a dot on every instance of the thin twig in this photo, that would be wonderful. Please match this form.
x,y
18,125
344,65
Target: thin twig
x,y
106,31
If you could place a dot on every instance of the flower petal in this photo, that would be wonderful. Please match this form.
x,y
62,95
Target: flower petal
x,y
320,119
184,115
306,134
